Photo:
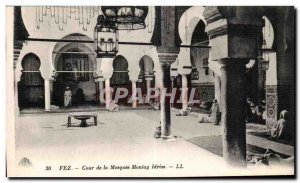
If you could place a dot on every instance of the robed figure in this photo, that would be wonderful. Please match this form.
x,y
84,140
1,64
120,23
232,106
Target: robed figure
x,y
67,97
215,113
280,130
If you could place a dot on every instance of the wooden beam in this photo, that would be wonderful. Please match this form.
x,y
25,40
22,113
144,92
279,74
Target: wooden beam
x,y
195,46
59,40
136,43
120,42
75,53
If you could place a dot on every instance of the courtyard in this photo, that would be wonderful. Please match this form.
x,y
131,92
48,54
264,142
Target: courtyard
x,y
120,139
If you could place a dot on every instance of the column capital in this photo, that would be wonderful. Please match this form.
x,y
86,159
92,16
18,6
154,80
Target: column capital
x,y
238,29
168,57
100,78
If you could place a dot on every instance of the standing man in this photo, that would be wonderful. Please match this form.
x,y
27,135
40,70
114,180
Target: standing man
x,y
67,97
215,113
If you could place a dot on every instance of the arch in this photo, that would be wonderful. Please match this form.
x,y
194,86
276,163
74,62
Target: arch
x,y
199,36
31,85
67,61
73,49
188,22
120,75
146,65
120,63
31,62
67,46
271,18
146,77
268,32
120,78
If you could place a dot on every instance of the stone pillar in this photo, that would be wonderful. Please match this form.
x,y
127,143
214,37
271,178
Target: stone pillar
x,y
165,101
16,98
218,89
134,93
184,92
106,70
167,54
238,30
166,59
148,84
47,94
101,90
233,110
97,90
107,93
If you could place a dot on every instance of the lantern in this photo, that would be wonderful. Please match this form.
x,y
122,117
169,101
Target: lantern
x,y
126,17
106,38
194,74
264,64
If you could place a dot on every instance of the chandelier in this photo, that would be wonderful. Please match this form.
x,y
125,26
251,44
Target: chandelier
x,y
126,17
62,14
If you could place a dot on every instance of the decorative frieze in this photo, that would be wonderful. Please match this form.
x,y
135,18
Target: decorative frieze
x,y
271,105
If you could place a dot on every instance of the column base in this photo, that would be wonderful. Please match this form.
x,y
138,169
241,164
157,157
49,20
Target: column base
x,y
169,138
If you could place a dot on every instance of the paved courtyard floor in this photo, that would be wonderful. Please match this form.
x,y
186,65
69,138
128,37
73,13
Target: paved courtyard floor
x,y
121,139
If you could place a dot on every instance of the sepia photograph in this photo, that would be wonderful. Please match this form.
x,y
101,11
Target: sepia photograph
x,y
150,91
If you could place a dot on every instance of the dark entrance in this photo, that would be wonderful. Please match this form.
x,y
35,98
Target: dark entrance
x,y
75,70
120,79
31,86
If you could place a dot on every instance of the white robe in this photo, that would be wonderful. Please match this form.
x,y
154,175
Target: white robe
x,y
67,98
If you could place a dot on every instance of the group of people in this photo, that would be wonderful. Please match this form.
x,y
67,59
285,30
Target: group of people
x,y
254,114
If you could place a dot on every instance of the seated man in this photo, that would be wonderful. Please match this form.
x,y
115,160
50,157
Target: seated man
x,y
214,116
113,107
157,133
280,129
184,112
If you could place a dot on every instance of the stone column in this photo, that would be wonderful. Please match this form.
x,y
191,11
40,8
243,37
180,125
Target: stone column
x,y
47,94
233,110
167,54
148,84
218,89
97,90
107,93
16,96
166,59
134,93
101,90
184,92
106,70
165,101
